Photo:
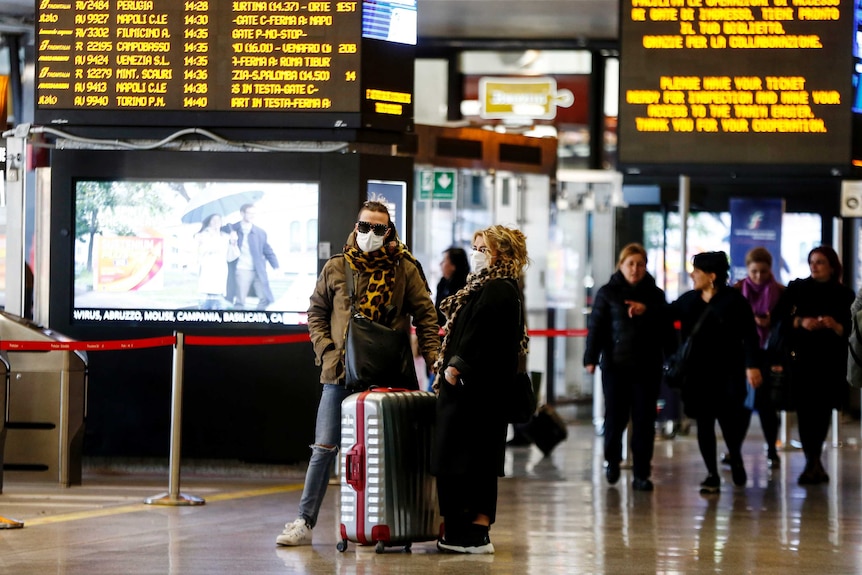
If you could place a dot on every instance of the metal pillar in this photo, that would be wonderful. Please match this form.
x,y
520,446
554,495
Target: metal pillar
x,y
173,496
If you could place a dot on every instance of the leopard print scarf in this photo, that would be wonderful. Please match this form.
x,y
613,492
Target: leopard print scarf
x,y
453,304
380,265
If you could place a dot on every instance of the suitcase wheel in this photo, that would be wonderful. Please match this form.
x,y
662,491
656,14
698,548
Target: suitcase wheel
x,y
342,545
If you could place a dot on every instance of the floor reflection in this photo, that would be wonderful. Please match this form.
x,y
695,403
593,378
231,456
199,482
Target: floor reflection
x,y
557,515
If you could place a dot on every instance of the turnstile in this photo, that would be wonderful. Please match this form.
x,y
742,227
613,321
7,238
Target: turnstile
x,y
45,407
4,403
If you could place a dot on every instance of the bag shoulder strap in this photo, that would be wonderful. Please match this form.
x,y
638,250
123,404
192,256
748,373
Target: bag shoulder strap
x,y
348,279
700,321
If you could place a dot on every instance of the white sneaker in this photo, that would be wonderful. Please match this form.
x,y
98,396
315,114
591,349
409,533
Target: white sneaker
x,y
296,533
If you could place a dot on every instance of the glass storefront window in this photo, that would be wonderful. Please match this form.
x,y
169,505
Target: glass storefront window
x,y
708,231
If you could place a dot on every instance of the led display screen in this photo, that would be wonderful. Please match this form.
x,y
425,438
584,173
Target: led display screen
x,y
212,63
736,82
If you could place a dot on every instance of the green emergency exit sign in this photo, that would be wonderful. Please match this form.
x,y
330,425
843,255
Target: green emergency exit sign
x,y
437,184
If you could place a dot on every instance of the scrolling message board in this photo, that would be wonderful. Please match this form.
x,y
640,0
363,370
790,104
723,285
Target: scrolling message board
x,y
736,83
221,63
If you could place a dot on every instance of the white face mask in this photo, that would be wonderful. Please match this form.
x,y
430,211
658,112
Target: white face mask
x,y
369,242
478,261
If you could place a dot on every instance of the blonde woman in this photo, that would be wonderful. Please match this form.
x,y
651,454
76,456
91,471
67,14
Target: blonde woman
x,y
484,336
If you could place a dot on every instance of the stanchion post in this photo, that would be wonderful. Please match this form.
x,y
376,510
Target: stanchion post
x,y
783,433
836,437
173,496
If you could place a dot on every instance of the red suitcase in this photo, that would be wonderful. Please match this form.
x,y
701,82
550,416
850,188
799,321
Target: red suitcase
x,y
388,495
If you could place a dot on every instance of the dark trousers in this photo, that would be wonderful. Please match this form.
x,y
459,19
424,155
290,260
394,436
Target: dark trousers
x,y
815,397
814,419
767,414
630,394
733,421
463,497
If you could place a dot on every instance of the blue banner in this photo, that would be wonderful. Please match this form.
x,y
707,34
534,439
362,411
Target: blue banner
x,y
754,223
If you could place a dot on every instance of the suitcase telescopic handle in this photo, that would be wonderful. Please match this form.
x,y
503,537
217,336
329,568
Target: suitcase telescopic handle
x,y
355,467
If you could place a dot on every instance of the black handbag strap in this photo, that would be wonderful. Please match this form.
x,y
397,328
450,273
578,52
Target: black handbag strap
x,y
700,321
348,279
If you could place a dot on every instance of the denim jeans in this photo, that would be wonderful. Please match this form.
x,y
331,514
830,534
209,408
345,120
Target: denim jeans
x,y
327,440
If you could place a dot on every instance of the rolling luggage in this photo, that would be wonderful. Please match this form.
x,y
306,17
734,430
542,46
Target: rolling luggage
x,y
546,429
388,495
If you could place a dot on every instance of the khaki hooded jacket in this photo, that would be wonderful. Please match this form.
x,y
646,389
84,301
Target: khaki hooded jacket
x,y
329,313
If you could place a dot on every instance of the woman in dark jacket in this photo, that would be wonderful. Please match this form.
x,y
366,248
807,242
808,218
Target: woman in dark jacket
x,y
454,268
815,311
484,337
627,329
724,353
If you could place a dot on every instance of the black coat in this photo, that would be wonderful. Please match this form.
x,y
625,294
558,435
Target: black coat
x,y
819,366
617,340
484,345
724,346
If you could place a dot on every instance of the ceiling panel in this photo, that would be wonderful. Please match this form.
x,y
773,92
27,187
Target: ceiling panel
x,y
519,19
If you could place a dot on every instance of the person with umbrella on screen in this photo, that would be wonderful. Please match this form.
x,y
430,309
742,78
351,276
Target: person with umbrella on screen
x,y
249,269
216,249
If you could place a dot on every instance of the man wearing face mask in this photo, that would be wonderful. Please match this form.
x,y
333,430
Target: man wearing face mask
x,y
390,288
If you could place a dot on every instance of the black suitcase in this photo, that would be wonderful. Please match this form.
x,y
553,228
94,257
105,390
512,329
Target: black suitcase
x,y
547,429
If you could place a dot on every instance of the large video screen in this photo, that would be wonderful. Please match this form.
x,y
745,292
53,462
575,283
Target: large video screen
x,y
736,82
194,252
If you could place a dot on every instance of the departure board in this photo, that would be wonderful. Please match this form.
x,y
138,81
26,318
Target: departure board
x,y
735,82
208,62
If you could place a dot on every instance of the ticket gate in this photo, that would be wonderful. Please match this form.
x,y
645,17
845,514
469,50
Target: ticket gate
x,y
4,397
45,407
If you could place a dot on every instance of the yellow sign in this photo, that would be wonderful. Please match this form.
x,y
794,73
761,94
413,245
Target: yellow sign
x,y
535,98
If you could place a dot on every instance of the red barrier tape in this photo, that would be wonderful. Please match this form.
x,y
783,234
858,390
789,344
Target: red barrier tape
x,y
245,340
87,345
207,340
558,332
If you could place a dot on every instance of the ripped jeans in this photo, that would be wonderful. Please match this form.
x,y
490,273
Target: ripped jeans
x,y
327,439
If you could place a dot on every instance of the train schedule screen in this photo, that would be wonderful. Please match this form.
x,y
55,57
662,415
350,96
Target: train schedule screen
x,y
197,56
757,82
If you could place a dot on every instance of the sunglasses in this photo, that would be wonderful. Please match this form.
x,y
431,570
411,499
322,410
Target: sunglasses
x,y
365,227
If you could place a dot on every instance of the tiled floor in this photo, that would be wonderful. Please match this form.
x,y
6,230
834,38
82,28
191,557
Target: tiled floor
x,y
557,515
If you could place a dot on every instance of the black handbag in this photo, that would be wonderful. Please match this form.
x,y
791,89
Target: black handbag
x,y
520,399
375,354
780,350
677,366
779,390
